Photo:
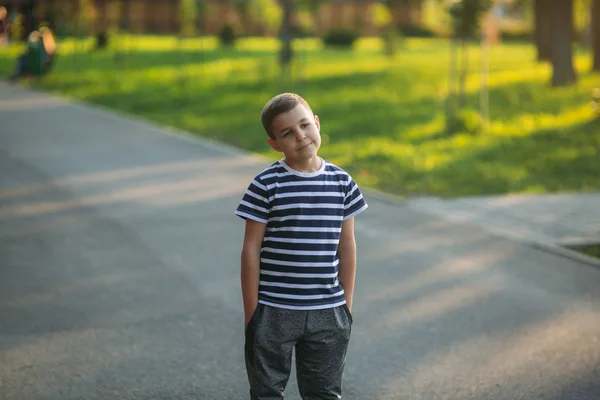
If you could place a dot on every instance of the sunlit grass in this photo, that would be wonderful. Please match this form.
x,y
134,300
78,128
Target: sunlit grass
x,y
382,118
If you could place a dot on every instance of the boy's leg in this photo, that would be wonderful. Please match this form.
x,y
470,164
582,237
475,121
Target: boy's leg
x,y
321,353
270,338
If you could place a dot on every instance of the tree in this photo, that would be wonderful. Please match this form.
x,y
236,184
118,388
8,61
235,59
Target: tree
x,y
383,20
595,11
466,18
242,7
188,14
84,17
582,20
543,29
313,6
17,31
266,12
286,54
563,72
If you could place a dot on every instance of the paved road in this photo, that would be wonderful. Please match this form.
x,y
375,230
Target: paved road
x,y
119,256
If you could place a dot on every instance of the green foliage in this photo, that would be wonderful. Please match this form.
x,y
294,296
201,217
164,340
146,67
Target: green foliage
x,y
435,16
113,9
516,34
381,15
304,24
466,16
312,6
241,6
102,40
84,17
227,36
596,101
267,12
466,121
16,28
202,8
188,15
340,37
416,31
306,17
582,14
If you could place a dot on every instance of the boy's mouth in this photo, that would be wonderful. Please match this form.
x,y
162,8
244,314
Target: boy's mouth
x,y
305,146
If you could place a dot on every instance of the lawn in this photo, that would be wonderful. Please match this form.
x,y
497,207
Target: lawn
x,y
382,118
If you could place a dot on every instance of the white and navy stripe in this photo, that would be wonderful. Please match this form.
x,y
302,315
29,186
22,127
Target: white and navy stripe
x,y
304,213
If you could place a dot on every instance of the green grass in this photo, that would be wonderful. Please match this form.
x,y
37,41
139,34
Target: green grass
x,y
592,250
382,119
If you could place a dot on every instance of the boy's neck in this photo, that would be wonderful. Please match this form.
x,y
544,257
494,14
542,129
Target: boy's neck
x,y
306,166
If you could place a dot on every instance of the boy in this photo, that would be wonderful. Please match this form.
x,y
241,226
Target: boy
x,y
298,260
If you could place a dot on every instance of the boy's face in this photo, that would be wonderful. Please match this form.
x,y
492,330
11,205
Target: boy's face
x,y
296,134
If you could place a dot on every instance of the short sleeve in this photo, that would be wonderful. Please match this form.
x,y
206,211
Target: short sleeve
x,y
255,203
354,203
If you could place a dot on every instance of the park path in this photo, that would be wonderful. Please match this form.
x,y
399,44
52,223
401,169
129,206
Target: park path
x,y
553,222
119,278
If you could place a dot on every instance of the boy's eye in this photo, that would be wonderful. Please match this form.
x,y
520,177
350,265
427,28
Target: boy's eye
x,y
305,125
287,133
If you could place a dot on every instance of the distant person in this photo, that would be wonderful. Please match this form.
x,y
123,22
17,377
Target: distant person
x,y
23,61
39,54
49,46
298,260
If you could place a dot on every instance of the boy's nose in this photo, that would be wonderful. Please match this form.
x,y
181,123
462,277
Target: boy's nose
x,y
300,135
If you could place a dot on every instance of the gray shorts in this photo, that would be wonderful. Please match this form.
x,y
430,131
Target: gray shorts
x,y
320,338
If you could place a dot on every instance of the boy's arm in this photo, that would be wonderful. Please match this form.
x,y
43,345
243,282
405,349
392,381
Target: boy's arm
x,y
250,271
347,256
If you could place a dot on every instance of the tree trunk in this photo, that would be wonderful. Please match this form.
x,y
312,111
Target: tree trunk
x,y
464,44
543,31
286,36
596,34
562,39
450,99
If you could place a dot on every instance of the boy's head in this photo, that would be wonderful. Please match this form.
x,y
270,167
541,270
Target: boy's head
x,y
292,127
280,104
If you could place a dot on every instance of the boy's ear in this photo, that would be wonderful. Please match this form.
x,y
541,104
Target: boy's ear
x,y
318,122
273,144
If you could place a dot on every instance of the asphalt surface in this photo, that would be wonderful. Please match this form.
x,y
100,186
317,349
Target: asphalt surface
x,y
119,279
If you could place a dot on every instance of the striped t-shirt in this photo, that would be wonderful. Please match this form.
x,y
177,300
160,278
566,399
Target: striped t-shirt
x,y
304,213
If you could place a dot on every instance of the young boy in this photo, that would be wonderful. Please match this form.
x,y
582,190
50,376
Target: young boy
x,y
298,260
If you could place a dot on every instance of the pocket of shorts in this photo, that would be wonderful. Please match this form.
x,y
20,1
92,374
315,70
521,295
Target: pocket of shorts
x,y
350,318
252,318
250,334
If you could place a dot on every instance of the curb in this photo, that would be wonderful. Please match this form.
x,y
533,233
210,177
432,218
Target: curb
x,y
566,253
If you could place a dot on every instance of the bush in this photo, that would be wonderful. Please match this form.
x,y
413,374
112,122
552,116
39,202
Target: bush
x,y
227,36
299,31
101,40
516,35
414,30
340,37
466,121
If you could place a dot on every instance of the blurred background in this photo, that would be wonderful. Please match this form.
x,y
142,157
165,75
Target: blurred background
x,y
416,97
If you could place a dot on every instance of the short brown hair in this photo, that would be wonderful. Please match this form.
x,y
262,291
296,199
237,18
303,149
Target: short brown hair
x,y
279,104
